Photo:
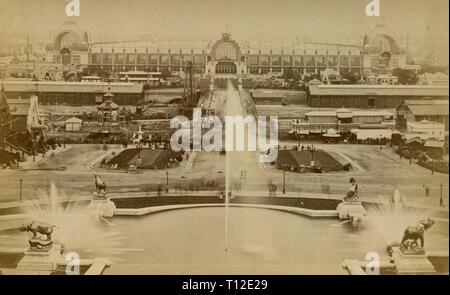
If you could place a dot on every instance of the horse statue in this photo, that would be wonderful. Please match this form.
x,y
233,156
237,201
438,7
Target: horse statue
x,y
100,189
415,233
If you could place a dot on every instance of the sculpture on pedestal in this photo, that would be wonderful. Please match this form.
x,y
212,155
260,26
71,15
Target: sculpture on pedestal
x,y
42,255
351,208
101,204
42,235
410,257
352,192
413,234
100,189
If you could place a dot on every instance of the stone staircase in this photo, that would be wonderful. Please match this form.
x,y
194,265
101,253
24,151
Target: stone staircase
x,y
6,156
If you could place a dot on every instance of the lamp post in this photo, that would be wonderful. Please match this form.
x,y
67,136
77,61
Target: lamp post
x,y
284,178
20,189
34,148
167,181
312,155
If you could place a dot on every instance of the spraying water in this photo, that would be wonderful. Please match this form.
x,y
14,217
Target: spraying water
x,y
75,228
236,103
391,217
232,107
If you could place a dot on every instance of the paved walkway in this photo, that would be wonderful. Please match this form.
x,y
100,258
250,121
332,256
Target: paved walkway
x,y
39,158
389,152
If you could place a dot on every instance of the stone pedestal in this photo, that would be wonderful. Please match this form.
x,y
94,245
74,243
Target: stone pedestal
x,y
411,263
353,211
352,208
39,261
102,207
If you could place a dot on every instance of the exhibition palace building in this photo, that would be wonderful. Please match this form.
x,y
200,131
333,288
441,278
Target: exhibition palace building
x,y
379,52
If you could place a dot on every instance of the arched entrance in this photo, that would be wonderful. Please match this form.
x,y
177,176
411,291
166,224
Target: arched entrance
x,y
224,67
65,56
225,55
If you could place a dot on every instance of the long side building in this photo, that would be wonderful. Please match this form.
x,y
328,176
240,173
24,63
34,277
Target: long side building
x,y
74,93
371,96
411,111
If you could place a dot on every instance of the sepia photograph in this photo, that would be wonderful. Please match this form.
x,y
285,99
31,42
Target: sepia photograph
x,y
209,137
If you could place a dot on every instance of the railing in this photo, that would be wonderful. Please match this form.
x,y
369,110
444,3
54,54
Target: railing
x,y
301,123
18,148
15,146
347,126
340,127
389,123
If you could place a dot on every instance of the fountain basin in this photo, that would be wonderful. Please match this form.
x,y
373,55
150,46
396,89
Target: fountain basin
x,y
261,241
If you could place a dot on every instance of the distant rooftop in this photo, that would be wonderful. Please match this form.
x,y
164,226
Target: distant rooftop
x,y
19,107
428,107
434,143
374,113
424,123
61,86
375,90
149,45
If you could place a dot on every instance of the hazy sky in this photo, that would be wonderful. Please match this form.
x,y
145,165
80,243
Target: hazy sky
x,y
239,17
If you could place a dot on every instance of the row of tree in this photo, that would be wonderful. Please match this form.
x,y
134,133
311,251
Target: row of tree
x,y
405,76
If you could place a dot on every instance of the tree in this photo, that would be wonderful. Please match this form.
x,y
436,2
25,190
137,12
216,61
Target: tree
x,y
165,73
293,77
311,76
353,78
289,74
405,76
432,69
103,74
85,72
65,75
69,76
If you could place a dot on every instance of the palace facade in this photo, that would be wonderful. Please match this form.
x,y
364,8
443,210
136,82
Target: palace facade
x,y
379,53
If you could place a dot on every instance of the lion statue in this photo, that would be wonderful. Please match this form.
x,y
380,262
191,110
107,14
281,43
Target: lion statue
x,y
413,234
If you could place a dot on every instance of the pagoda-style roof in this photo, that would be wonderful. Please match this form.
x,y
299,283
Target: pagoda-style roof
x,y
108,106
108,95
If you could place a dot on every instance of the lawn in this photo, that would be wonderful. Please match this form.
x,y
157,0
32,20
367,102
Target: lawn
x,y
301,160
150,159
